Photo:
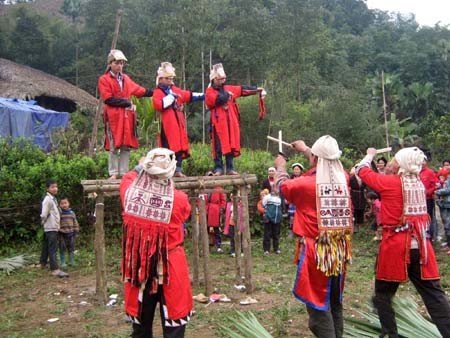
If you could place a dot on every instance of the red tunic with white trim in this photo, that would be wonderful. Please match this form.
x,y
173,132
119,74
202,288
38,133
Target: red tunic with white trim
x,y
393,254
311,286
173,123
225,118
121,121
143,240
216,202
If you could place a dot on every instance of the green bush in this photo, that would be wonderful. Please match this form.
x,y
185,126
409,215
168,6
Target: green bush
x,y
25,169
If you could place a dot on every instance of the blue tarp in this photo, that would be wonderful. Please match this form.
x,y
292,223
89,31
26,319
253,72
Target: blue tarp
x,y
20,118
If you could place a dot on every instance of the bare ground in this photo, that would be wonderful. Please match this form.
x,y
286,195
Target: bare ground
x,y
30,296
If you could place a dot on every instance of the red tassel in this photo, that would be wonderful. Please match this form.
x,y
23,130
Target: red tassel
x,y
262,108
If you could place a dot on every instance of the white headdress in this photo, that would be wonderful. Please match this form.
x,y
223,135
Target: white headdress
x,y
217,71
165,70
116,55
160,162
410,160
334,216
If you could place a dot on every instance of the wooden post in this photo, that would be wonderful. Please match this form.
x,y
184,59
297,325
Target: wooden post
x,y
205,246
99,245
237,236
246,241
195,236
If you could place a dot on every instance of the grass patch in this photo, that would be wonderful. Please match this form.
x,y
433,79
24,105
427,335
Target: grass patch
x,y
27,295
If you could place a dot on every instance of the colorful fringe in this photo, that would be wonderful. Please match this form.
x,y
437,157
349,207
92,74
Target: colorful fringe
x,y
142,247
333,251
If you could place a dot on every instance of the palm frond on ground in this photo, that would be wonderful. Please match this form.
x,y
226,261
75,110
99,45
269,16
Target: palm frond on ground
x,y
10,264
245,325
410,323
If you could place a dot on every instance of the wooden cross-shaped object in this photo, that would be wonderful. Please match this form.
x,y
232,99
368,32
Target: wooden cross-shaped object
x,y
280,142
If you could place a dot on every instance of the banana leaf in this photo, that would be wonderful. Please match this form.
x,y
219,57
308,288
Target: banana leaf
x,y
148,124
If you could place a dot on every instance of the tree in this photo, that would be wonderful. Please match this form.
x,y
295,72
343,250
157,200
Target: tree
x,y
29,44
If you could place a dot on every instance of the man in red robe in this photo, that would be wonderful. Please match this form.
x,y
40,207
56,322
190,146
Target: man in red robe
x,y
225,118
405,251
154,266
215,207
429,180
169,101
119,116
323,225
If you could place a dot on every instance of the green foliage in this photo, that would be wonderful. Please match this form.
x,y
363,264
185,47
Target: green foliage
x,y
320,61
410,322
246,325
437,139
24,171
149,125
10,264
402,132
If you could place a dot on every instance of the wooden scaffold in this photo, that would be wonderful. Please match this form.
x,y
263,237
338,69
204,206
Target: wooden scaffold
x,y
193,186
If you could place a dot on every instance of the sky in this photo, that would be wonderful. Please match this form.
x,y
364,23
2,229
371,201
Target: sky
x,y
427,12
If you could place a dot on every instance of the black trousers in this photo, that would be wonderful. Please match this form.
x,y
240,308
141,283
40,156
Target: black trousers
x,y
271,232
49,249
145,329
433,296
328,324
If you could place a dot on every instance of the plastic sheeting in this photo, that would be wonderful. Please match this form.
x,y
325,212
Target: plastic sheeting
x,y
26,119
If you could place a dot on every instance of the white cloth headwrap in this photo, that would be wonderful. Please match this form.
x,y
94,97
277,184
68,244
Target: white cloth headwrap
x,y
329,168
165,70
160,162
217,71
326,147
330,176
410,160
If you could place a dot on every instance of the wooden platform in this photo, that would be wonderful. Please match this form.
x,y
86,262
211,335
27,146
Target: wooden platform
x,y
193,186
182,183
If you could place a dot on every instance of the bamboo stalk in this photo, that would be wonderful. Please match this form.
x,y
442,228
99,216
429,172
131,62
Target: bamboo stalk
x,y
277,141
99,110
185,183
384,150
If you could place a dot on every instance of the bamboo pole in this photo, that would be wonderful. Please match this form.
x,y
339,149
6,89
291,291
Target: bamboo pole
x,y
205,246
385,110
246,241
195,236
203,103
99,246
184,183
99,110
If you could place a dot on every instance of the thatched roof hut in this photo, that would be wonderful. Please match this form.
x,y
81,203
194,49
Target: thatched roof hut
x,y
26,83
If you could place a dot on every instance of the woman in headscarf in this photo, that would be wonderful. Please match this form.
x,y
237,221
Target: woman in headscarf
x,y
405,251
323,224
154,266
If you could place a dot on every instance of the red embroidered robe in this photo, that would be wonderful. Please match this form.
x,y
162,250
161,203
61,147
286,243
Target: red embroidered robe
x,y
216,202
225,119
142,238
121,121
311,286
173,123
393,254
